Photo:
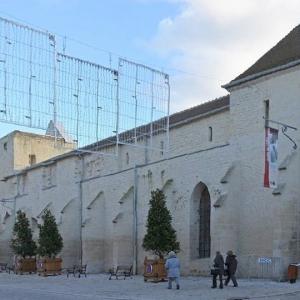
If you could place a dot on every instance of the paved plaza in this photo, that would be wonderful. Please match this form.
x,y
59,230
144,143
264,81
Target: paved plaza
x,y
33,287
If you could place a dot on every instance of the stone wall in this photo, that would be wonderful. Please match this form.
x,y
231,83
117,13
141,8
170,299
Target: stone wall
x,y
6,155
19,150
102,188
92,196
268,225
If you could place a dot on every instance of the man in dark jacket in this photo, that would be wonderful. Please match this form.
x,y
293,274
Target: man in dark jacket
x,y
231,264
219,267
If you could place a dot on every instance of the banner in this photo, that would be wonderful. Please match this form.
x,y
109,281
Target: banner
x,y
271,158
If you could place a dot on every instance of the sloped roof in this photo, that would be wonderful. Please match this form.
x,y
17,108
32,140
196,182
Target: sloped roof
x,y
60,131
185,116
284,52
199,110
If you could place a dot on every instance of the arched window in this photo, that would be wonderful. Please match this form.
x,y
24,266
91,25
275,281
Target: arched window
x,y
200,240
204,224
210,133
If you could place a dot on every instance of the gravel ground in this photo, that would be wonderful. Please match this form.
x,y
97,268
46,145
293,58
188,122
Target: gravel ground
x,y
33,287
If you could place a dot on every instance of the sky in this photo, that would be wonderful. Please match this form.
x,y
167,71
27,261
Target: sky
x,y
202,44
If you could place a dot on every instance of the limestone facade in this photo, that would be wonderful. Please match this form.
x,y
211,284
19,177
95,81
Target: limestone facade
x,y
101,202
22,149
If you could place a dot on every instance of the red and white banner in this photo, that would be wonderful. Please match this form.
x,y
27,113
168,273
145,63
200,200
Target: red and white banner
x,y
271,158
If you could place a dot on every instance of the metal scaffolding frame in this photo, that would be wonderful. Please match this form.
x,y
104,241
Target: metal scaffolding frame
x,y
93,107
26,80
88,92
144,100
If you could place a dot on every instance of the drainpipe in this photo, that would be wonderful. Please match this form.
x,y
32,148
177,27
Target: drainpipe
x,y
15,199
135,233
15,208
81,157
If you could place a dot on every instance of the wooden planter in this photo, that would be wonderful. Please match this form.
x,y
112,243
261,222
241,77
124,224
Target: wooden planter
x,y
25,265
292,273
49,266
154,270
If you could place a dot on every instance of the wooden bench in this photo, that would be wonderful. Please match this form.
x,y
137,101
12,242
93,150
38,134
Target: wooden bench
x,y
4,267
71,270
121,271
81,270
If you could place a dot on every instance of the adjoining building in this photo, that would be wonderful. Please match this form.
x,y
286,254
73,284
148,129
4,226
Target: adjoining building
x,y
224,188
20,150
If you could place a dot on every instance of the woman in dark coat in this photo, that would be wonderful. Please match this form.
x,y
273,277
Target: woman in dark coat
x,y
218,265
231,264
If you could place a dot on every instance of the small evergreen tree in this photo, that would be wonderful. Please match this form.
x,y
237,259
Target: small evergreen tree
x,y
22,243
160,237
50,240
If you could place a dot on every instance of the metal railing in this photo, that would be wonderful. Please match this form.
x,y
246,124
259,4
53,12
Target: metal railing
x,y
253,266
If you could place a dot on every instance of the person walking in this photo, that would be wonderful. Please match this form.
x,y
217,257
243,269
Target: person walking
x,y
173,268
231,264
219,270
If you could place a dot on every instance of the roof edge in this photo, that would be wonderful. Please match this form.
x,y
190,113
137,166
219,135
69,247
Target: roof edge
x,y
12,133
200,116
80,152
235,83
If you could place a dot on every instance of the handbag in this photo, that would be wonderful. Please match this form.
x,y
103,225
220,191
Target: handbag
x,y
215,271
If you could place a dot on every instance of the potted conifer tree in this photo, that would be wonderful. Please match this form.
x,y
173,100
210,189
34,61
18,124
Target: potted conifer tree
x,y
23,245
160,237
50,243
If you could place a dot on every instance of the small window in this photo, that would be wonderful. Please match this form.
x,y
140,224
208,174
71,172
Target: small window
x,y
5,146
267,111
162,148
210,134
32,159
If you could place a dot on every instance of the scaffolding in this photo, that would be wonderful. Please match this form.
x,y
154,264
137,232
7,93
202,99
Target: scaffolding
x,y
27,81
144,101
87,105
88,92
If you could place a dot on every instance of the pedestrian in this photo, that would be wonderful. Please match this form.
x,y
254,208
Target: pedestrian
x,y
173,268
231,264
218,270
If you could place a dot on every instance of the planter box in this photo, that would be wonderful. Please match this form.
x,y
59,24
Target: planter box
x,y
292,273
25,265
154,270
49,266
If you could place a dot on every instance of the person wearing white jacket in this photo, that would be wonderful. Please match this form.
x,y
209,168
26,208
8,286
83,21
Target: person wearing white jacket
x,y
173,268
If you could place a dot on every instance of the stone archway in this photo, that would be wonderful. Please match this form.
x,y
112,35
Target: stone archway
x,y
200,225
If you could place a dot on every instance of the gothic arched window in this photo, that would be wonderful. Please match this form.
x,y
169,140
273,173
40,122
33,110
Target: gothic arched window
x,y
204,224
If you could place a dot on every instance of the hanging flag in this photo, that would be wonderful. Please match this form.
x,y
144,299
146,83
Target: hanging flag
x,y
271,157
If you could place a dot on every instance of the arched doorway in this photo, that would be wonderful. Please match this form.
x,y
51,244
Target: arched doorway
x,y
200,222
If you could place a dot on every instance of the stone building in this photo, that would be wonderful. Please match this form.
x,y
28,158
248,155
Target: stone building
x,y
22,149
212,175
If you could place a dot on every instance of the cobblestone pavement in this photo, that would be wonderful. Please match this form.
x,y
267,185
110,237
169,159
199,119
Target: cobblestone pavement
x,y
96,287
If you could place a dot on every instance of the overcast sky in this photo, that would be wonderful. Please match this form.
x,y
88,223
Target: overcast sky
x,y
201,43
218,39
